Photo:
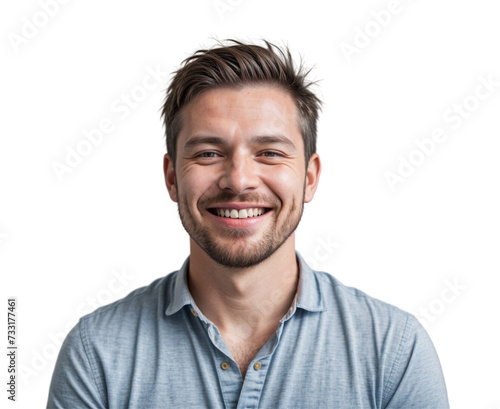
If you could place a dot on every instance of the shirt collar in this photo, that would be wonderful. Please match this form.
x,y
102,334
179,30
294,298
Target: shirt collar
x,y
309,294
179,292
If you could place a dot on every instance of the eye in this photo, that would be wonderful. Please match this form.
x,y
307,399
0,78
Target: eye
x,y
208,154
271,154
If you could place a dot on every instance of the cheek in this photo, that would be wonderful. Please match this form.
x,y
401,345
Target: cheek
x,y
286,185
195,184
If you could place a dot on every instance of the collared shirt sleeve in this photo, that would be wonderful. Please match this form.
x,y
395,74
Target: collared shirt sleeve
x,y
73,382
416,380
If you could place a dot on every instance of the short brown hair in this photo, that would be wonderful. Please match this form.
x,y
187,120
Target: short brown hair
x,y
236,65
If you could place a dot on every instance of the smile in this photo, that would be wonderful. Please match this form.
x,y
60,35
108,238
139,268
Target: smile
x,y
239,213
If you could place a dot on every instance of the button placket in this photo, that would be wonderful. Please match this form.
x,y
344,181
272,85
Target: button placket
x,y
255,378
229,379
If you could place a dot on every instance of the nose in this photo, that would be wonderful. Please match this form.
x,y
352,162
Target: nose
x,y
239,174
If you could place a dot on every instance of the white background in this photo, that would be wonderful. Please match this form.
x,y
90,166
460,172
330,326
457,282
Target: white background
x,y
63,241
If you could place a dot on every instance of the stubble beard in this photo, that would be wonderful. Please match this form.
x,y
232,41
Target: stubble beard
x,y
241,253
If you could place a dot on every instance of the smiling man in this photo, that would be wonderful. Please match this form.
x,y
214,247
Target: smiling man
x,y
245,323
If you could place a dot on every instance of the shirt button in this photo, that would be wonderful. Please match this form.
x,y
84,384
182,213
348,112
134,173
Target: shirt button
x,y
224,365
257,366
194,312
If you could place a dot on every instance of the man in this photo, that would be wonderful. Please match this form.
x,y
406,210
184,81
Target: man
x,y
245,323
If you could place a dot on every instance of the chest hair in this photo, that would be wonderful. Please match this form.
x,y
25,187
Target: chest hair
x,y
245,350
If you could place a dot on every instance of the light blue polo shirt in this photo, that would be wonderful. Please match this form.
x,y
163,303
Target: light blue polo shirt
x,y
335,348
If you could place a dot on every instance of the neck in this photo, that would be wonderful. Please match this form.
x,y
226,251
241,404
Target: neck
x,y
244,301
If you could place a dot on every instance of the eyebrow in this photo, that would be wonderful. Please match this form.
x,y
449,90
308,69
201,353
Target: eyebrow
x,y
261,139
280,139
211,140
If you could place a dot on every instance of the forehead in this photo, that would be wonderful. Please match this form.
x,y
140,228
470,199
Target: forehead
x,y
242,111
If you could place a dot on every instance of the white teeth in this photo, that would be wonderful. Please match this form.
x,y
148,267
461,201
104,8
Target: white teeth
x,y
240,214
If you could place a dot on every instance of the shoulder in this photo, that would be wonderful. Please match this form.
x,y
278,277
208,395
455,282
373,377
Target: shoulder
x,y
385,339
143,305
104,343
356,303
374,326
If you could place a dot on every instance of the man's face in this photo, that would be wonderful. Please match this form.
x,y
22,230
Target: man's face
x,y
240,179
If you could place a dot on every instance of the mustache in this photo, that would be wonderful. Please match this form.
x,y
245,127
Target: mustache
x,y
227,197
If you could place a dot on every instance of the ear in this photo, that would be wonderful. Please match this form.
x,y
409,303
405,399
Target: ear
x,y
170,181
312,177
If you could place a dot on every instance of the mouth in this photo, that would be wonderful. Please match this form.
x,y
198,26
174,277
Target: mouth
x,y
239,213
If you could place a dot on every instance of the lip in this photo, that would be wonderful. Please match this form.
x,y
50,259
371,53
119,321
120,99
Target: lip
x,y
237,206
241,223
